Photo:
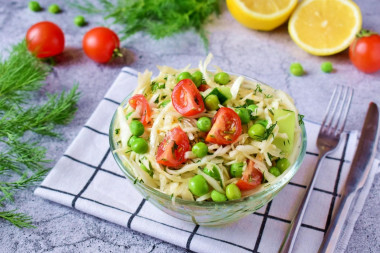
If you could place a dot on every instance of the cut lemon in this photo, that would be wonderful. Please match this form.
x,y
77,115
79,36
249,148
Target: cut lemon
x,y
261,14
325,27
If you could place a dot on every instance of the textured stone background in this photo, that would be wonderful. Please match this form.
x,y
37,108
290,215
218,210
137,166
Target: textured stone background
x,y
265,56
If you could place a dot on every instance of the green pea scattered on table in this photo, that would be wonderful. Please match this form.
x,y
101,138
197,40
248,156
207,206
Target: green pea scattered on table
x,y
200,149
204,124
79,21
198,185
54,8
296,69
222,78
327,67
34,6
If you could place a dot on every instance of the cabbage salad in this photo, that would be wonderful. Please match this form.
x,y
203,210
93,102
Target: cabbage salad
x,y
206,135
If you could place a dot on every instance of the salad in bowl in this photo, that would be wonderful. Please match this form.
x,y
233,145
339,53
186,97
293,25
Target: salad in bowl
x,y
206,138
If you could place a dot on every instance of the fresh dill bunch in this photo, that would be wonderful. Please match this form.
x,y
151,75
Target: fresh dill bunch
x,y
23,161
158,18
20,74
20,220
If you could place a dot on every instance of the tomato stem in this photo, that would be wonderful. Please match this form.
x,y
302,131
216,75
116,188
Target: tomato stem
x,y
364,33
117,53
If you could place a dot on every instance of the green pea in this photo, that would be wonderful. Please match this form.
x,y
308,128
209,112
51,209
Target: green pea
x,y
79,21
34,6
139,145
54,8
214,172
197,78
204,124
283,164
274,171
236,169
243,114
252,108
256,131
327,67
296,69
198,185
262,122
200,149
183,75
212,102
136,127
222,78
233,192
217,196
131,140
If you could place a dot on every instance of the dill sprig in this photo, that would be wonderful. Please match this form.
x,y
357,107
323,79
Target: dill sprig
x,y
158,18
23,161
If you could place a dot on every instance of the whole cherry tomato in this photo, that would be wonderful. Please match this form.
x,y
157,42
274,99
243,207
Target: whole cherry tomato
x,y
101,44
45,39
365,51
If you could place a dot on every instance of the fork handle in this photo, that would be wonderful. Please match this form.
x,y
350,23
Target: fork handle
x,y
290,237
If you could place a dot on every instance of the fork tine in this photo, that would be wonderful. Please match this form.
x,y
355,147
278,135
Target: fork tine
x,y
337,100
345,91
328,107
351,94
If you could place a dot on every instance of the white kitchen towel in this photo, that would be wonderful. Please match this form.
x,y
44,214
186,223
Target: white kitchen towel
x,y
88,179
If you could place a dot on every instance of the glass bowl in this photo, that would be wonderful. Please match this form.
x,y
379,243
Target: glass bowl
x,y
210,213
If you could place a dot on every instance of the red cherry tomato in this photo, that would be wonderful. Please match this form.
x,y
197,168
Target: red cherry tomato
x,y
139,102
365,52
226,127
251,178
172,149
100,44
203,87
186,98
45,39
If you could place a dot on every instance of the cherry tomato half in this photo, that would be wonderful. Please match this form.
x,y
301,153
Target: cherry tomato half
x,y
251,178
45,39
203,87
186,98
139,102
100,44
365,52
226,127
172,149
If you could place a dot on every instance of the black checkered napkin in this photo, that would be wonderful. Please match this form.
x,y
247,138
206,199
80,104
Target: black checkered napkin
x,y
88,179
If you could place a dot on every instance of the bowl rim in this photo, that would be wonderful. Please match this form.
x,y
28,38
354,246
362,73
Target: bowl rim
x,y
285,179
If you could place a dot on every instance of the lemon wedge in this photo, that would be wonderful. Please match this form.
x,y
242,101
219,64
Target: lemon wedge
x,y
261,14
325,27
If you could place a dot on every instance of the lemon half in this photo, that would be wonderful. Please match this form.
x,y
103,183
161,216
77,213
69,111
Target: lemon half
x,y
261,14
325,27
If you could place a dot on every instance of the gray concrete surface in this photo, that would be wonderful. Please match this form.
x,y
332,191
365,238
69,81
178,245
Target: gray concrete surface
x,y
265,56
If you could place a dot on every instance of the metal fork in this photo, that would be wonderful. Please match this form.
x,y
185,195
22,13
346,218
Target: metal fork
x,y
328,139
